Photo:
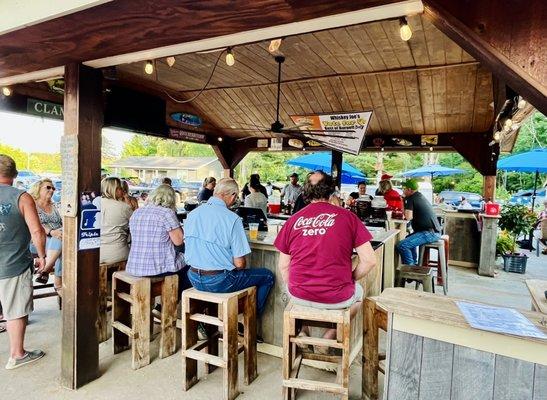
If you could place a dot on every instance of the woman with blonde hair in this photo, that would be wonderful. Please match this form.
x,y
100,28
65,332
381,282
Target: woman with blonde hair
x,y
385,188
115,214
157,238
130,200
42,191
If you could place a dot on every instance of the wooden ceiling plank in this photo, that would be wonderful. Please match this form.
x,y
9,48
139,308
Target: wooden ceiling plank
x,y
341,93
453,52
309,95
321,96
439,98
318,48
360,58
202,65
224,117
401,102
389,102
426,100
357,104
468,97
378,104
310,63
338,51
270,92
228,108
288,94
435,43
382,45
365,44
484,96
263,66
454,78
418,42
230,97
400,47
258,101
410,81
188,70
330,96
302,100
269,104
366,101
251,106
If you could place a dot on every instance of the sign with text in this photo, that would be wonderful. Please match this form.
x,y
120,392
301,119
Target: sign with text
x,y
89,235
44,108
357,122
187,119
181,134
69,168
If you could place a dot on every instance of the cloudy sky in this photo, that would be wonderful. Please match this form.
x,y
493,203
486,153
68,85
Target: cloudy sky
x,y
35,134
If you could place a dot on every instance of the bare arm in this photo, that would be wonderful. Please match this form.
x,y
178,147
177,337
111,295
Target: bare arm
x,y
367,260
408,215
240,262
283,266
37,232
177,236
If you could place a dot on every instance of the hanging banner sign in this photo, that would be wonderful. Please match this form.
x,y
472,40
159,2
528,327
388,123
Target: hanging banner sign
x,y
44,108
186,119
89,234
358,122
181,134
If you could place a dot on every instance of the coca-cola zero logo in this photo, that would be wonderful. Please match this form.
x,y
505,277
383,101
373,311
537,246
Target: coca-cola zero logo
x,y
315,225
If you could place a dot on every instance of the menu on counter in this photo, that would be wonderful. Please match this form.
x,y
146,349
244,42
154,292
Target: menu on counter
x,y
499,320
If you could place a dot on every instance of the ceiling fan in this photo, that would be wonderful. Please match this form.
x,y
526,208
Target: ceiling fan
x,y
279,130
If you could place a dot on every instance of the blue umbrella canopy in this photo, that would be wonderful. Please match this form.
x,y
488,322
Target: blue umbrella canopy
x,y
322,162
432,170
531,161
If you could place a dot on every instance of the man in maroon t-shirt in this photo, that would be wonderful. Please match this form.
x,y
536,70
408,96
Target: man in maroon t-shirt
x,y
316,246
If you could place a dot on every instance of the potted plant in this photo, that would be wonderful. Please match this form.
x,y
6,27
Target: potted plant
x,y
515,219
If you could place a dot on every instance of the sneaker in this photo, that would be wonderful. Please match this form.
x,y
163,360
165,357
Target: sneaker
x,y
29,357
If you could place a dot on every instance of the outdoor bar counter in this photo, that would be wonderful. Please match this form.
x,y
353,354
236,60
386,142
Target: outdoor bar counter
x,y
264,254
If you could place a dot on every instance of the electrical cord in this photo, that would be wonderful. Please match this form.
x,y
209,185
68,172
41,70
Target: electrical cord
x,y
202,89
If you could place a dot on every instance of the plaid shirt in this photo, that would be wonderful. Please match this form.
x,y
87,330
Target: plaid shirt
x,y
152,252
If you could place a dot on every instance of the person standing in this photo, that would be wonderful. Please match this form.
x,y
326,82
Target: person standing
x,y
392,198
362,191
19,223
424,222
292,190
207,190
216,246
316,246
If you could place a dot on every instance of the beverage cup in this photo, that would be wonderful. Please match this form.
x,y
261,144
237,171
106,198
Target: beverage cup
x,y
253,231
389,213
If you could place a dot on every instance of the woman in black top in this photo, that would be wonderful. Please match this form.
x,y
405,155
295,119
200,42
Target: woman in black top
x,y
207,189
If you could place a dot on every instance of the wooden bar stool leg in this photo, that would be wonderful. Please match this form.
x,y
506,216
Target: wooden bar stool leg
x,y
168,338
289,328
121,311
140,323
102,324
428,284
229,348
346,333
212,344
443,269
370,351
249,338
189,338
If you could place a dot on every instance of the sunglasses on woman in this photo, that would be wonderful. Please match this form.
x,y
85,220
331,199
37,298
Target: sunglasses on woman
x,y
50,187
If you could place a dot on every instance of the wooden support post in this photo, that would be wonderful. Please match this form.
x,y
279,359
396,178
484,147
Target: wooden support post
x,y
83,119
489,188
489,234
336,167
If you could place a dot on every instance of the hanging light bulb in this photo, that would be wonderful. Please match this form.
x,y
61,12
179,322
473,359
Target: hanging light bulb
x,y
404,29
382,149
170,61
431,148
497,136
230,60
274,45
6,91
149,67
220,139
521,103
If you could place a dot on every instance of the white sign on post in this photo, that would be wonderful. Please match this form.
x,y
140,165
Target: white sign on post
x,y
69,167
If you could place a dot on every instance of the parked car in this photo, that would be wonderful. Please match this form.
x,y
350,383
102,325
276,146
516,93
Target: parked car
x,y
25,179
525,197
454,198
186,189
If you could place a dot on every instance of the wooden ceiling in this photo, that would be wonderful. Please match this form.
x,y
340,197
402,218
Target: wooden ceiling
x,y
427,85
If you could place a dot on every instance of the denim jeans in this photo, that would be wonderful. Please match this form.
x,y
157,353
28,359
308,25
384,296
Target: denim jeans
x,y
184,283
234,280
407,246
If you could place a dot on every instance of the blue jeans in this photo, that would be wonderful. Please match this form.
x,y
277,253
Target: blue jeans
x,y
234,280
407,246
52,244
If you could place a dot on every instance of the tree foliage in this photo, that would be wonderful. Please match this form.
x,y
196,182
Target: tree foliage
x,y
142,145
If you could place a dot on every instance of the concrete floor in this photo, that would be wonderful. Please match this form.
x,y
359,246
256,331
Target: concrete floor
x,y
162,378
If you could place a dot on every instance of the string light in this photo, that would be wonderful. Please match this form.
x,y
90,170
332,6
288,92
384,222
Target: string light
x,y
6,91
170,61
274,45
404,29
521,104
220,139
230,60
382,149
149,67
431,148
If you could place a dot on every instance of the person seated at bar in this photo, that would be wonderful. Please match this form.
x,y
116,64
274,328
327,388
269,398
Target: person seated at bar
x,y
424,222
207,190
130,200
392,198
42,192
362,190
157,239
316,246
216,246
115,214
255,179
255,199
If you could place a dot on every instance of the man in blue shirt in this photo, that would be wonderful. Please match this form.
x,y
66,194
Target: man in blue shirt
x,y
216,246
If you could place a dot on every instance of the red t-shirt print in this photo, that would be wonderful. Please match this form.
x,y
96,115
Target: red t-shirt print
x,y
320,239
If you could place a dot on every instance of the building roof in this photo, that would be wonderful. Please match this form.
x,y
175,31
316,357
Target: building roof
x,y
167,163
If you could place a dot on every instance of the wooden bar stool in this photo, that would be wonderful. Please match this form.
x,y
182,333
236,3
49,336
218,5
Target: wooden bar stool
x,y
421,275
131,309
105,280
443,250
293,355
219,310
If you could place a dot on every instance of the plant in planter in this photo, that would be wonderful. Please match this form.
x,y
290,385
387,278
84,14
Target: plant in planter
x,y
516,220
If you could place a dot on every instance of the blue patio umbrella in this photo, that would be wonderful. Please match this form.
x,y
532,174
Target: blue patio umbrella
x,y
530,161
322,162
433,170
